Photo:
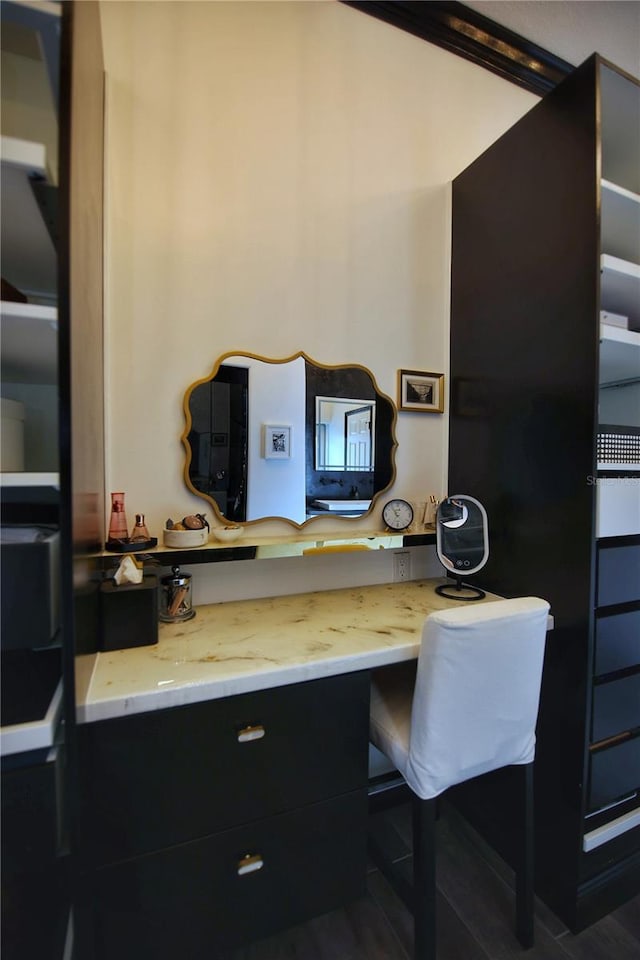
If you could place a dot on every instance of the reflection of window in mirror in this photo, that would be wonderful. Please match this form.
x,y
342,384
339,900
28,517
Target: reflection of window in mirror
x,y
345,431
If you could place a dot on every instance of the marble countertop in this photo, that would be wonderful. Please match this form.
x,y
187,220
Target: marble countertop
x,y
245,645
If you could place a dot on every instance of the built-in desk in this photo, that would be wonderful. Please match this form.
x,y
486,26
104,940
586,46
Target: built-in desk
x,y
248,645
224,771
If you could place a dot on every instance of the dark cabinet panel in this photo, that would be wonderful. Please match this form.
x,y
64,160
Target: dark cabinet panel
x,y
618,574
157,779
615,772
616,707
191,900
526,295
30,811
617,642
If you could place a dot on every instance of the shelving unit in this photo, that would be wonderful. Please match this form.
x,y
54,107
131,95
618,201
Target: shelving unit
x,y
538,383
35,721
29,331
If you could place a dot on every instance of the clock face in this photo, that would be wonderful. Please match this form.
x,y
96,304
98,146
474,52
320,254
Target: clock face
x,y
397,514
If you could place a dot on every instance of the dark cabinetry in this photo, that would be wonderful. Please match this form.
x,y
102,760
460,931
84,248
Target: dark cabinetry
x,y
546,241
221,822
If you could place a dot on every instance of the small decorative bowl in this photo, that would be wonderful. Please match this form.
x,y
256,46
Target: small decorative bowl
x,y
185,539
228,533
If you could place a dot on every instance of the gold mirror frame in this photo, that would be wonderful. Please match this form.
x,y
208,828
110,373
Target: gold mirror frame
x,y
391,445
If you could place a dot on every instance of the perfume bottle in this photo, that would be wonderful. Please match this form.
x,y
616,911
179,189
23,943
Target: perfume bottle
x,y
118,523
139,531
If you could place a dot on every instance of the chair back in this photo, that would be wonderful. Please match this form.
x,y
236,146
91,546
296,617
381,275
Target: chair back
x,y
477,692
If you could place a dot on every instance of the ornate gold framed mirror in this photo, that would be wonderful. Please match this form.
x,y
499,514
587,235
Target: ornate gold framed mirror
x,y
289,439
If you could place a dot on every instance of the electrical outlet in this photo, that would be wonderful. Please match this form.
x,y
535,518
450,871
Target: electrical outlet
x,y
402,565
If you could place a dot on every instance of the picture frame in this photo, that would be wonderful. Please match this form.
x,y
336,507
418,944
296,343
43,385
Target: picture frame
x,y
420,391
277,441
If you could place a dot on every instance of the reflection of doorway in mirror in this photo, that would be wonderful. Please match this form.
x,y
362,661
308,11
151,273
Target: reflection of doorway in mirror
x,y
358,438
345,431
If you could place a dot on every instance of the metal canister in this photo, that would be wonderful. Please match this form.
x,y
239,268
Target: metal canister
x,y
175,597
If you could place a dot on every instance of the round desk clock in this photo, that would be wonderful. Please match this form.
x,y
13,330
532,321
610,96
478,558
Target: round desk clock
x,y
397,514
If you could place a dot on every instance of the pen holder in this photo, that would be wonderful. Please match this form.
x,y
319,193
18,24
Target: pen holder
x,y
175,597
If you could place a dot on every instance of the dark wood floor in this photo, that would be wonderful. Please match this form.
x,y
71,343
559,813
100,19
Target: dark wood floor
x,y
475,922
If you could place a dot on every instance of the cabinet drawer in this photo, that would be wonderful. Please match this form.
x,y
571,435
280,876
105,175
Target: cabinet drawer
x,y
617,642
157,779
191,901
614,773
618,574
616,707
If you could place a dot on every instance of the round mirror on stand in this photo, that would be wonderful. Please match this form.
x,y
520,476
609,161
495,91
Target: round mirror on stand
x,y
462,544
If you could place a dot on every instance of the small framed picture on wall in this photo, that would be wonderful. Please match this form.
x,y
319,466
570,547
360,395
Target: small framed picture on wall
x,y
420,391
277,442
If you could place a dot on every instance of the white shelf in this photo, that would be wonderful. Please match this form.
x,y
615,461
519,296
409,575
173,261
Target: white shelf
x,y
34,734
619,355
620,222
29,343
618,467
620,287
28,255
27,479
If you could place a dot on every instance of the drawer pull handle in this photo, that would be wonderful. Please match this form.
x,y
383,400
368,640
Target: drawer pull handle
x,y
251,733
250,863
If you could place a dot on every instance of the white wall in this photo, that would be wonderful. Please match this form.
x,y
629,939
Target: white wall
x,y
276,488
278,178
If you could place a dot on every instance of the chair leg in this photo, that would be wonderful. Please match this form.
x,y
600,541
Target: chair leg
x,y
524,872
424,878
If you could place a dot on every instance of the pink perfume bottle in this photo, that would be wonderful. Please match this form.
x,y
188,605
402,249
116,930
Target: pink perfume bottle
x,y
118,523
139,532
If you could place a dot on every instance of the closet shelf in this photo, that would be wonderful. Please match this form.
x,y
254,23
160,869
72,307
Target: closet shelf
x,y
620,222
620,287
28,255
619,355
29,342
30,479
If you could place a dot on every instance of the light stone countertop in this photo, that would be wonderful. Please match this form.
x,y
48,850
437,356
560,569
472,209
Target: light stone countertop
x,y
245,645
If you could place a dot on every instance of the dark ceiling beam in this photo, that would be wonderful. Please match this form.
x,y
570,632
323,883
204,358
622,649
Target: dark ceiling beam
x,y
462,31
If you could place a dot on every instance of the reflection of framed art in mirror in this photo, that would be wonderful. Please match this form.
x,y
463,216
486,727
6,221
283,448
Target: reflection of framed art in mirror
x,y
276,442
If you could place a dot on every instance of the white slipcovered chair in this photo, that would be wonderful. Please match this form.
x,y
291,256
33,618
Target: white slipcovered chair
x,y
470,708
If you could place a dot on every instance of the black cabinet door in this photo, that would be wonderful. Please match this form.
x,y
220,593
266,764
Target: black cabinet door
x,y
190,901
157,779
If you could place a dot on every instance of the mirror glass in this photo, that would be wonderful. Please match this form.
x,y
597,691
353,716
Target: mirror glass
x,y
345,438
288,439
